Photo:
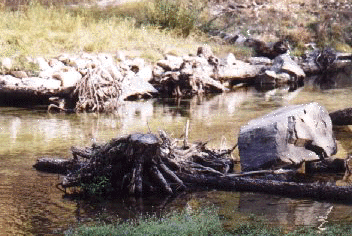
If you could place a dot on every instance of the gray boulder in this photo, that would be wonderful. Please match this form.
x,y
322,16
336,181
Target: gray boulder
x,y
287,136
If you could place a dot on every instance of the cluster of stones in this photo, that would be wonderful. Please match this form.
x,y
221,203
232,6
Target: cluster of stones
x,y
115,78
66,71
205,71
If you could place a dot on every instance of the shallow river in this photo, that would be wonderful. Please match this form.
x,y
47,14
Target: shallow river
x,y
30,204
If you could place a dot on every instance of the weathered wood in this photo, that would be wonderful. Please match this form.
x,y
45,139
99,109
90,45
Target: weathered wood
x,y
161,180
291,189
172,176
54,165
341,117
249,173
141,164
84,152
329,165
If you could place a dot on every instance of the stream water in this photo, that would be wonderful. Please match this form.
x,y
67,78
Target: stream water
x,y
30,204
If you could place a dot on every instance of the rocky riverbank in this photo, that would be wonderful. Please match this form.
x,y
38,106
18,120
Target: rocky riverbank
x,y
100,82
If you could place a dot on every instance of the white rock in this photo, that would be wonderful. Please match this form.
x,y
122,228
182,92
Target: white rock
x,y
9,80
55,64
105,59
64,58
170,63
120,56
114,72
271,77
19,74
145,73
46,73
68,78
230,59
260,61
238,70
136,64
129,88
204,51
6,63
284,63
42,63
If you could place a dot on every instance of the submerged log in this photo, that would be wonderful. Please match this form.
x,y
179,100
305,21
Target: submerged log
x,y
329,165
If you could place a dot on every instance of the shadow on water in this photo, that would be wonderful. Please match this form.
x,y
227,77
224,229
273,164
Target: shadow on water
x,y
31,204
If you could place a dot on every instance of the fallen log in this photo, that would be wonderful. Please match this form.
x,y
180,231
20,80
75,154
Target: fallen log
x,y
292,189
34,90
329,165
55,165
341,117
140,164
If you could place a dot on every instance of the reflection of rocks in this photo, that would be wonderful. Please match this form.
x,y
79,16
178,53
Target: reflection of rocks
x,y
203,106
341,79
285,211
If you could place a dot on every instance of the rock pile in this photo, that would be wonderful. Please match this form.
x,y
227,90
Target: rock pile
x,y
96,82
100,82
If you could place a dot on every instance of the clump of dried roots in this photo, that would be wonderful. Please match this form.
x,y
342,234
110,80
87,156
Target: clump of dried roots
x,y
97,91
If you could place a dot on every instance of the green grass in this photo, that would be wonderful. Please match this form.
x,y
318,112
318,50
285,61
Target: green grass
x,y
203,222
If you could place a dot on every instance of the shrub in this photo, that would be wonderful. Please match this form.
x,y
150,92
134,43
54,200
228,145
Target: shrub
x,y
176,14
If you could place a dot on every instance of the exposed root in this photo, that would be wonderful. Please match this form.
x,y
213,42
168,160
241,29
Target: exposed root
x,y
144,163
97,91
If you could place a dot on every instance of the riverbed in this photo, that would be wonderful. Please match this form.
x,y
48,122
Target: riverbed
x,y
30,204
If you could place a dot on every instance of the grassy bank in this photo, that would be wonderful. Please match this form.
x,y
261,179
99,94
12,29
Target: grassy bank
x,y
202,222
49,31
37,29
153,28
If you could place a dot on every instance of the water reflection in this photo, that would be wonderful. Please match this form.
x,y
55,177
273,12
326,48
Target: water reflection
x,y
285,211
30,203
331,80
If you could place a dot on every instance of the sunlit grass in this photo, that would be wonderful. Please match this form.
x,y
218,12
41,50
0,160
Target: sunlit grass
x,y
50,31
204,221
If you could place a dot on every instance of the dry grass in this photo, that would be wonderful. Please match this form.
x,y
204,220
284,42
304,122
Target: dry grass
x,y
50,28
50,31
39,30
